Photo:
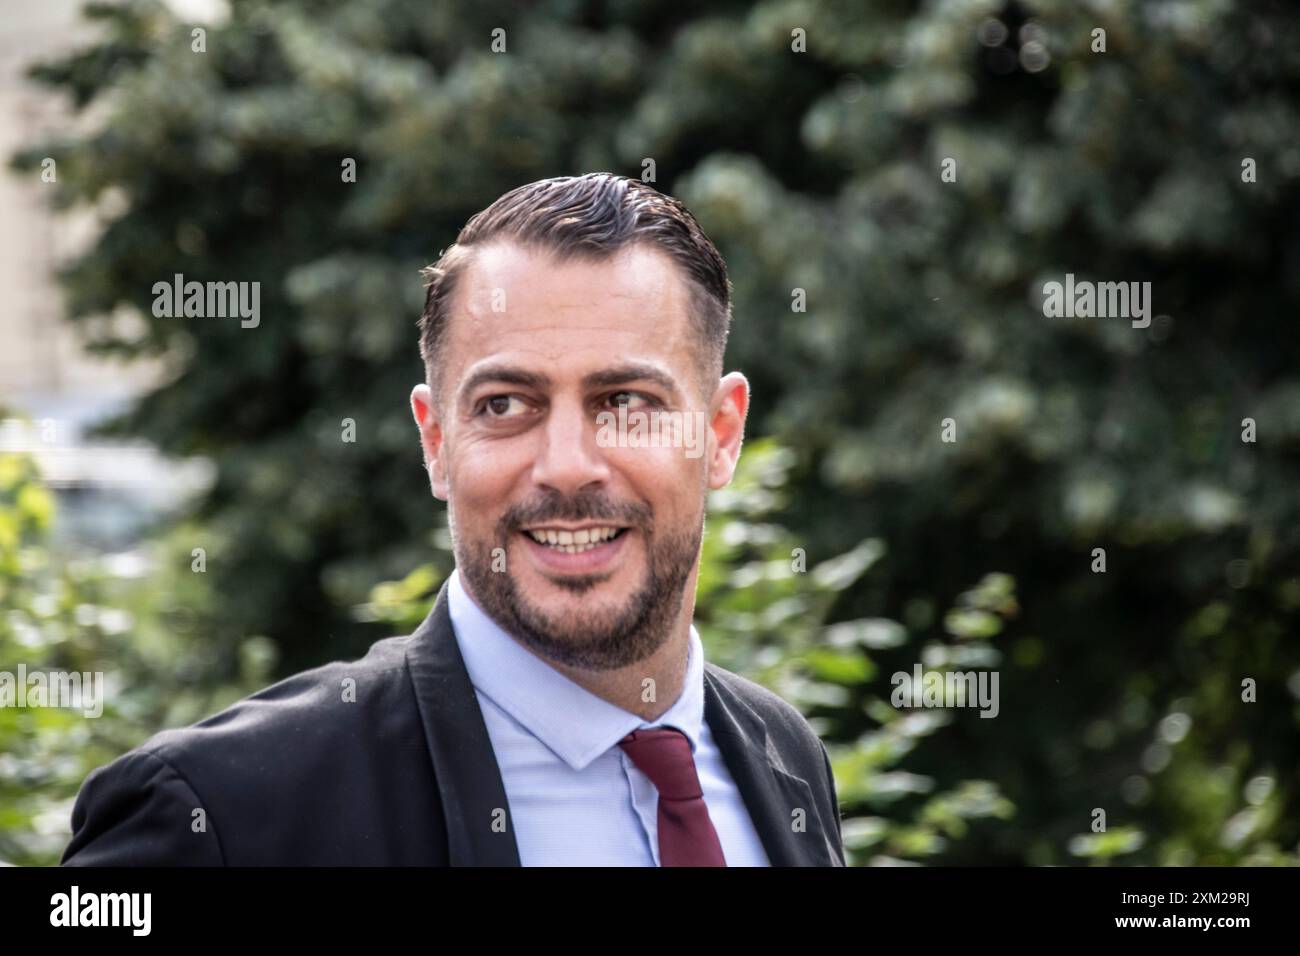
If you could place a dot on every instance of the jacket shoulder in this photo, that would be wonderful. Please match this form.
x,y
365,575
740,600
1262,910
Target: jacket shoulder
x,y
138,811
794,740
263,758
773,708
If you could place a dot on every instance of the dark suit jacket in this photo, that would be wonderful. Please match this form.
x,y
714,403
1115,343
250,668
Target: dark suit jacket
x,y
403,775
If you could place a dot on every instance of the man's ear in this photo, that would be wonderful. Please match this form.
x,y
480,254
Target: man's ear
x,y
426,418
727,413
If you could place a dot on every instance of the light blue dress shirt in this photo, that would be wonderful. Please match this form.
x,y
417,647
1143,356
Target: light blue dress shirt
x,y
576,799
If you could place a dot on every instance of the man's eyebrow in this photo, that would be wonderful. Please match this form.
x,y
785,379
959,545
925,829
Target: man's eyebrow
x,y
622,374
505,375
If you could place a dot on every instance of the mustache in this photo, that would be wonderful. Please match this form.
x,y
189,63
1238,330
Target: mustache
x,y
555,506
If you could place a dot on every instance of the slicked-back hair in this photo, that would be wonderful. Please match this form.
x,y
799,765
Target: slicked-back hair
x,y
589,218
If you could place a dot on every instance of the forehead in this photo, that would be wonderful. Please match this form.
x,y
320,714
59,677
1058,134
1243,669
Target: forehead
x,y
521,306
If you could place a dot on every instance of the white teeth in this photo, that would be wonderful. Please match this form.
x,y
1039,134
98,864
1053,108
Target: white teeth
x,y
573,542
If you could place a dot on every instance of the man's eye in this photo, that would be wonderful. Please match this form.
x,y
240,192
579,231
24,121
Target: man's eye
x,y
628,399
504,406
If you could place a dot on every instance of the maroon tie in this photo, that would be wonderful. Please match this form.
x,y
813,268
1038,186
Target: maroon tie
x,y
686,834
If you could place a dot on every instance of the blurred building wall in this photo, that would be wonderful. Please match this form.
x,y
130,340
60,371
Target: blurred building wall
x,y
45,374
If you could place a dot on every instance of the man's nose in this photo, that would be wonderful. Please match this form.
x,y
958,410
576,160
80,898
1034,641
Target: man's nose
x,y
569,459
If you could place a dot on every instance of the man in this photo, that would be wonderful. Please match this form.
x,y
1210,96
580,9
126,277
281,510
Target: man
x,y
555,707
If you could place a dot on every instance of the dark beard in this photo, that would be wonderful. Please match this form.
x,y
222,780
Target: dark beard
x,y
604,641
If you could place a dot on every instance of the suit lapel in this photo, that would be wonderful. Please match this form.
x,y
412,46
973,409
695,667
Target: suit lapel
x,y
464,764
770,793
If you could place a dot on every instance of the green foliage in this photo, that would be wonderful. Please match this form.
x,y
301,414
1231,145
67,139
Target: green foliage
x,y
818,171
91,616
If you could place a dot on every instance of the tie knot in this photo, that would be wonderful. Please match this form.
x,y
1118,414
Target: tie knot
x,y
664,755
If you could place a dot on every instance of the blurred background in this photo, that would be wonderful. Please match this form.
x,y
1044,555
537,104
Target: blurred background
x,y
891,184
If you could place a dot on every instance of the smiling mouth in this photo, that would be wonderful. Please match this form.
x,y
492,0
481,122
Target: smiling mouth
x,y
575,542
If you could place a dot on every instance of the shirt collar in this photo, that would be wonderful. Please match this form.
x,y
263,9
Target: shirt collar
x,y
571,721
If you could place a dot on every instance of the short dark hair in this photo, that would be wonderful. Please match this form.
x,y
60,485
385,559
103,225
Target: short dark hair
x,y
589,218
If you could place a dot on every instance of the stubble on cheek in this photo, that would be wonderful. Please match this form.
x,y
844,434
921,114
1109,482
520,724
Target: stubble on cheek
x,y
592,637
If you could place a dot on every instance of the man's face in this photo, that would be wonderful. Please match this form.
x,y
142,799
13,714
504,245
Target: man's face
x,y
580,548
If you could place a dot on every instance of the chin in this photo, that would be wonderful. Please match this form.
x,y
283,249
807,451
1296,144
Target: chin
x,y
575,595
